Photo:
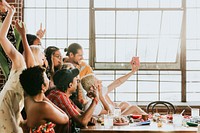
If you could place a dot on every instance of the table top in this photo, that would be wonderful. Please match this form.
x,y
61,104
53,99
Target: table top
x,y
132,128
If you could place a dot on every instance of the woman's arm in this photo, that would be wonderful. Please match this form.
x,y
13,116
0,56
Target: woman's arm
x,y
84,118
102,99
135,65
29,58
11,52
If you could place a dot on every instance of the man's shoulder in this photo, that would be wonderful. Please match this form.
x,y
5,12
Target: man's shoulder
x,y
55,94
83,63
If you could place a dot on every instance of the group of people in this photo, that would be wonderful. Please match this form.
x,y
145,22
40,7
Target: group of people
x,y
57,94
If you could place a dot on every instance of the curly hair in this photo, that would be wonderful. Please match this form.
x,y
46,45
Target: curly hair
x,y
32,79
87,81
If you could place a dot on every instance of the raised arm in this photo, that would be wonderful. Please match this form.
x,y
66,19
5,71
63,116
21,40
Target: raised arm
x,y
135,64
29,58
11,52
102,99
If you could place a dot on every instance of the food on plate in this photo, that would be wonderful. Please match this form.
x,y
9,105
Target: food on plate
x,y
120,119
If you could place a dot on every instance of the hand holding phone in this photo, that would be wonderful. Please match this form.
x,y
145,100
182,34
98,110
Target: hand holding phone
x,y
135,63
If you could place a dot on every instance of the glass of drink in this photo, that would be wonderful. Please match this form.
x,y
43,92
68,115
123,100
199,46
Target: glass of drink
x,y
177,120
195,112
117,112
108,121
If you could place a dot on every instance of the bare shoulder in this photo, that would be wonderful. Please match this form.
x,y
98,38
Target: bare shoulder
x,y
45,106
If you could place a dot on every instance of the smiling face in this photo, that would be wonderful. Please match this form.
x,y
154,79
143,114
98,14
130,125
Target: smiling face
x,y
76,58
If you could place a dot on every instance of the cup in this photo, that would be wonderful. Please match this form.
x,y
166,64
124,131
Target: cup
x,y
194,112
177,120
117,112
108,121
145,117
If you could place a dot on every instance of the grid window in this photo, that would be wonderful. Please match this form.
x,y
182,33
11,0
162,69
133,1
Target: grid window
x,y
150,29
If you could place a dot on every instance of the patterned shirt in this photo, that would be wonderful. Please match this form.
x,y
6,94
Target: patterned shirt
x,y
61,100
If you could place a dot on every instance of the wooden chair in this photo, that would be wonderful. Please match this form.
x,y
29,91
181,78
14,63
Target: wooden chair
x,y
154,106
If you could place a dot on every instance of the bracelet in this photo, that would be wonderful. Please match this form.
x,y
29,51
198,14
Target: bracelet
x,y
95,100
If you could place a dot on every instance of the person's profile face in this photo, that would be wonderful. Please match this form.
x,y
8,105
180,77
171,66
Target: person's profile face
x,y
57,58
75,84
37,41
78,56
46,80
42,58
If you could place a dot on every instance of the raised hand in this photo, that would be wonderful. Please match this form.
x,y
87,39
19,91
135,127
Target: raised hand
x,y
93,92
20,26
11,9
2,7
40,33
135,63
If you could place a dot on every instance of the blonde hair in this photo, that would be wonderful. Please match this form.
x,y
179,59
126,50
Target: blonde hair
x,y
67,66
36,50
87,81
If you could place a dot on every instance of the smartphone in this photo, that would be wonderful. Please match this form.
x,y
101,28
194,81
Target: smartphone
x,y
136,60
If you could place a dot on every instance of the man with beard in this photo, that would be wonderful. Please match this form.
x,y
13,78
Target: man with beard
x,y
75,56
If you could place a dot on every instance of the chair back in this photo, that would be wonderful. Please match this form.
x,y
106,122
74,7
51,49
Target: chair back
x,y
153,107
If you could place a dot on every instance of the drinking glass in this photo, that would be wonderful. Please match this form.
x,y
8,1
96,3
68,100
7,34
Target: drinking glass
x,y
194,112
177,120
108,121
117,112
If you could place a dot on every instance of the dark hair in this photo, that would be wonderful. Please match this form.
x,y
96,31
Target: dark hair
x,y
32,79
48,53
73,48
30,38
64,77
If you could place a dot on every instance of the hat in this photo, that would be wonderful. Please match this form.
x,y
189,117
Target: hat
x,y
62,78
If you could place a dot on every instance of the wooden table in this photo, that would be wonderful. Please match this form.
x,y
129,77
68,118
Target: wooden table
x,y
132,128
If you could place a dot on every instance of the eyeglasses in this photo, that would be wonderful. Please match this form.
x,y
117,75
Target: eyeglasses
x,y
58,56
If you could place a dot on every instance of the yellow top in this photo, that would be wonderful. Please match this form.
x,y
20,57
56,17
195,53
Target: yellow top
x,y
84,69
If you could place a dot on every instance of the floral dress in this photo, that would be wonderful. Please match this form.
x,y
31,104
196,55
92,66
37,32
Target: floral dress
x,y
45,128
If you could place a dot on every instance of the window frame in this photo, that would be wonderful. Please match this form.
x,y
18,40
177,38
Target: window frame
x,y
125,65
